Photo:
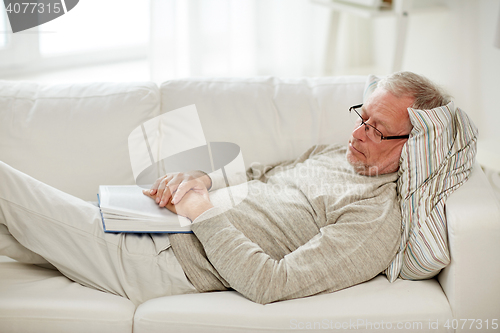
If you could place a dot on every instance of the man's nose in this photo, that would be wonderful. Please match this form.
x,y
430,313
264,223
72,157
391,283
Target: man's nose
x,y
359,133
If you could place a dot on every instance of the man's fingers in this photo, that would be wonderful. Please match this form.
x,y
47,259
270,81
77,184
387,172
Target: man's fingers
x,y
154,188
168,205
156,184
159,191
163,191
171,207
183,188
162,195
148,193
170,188
165,198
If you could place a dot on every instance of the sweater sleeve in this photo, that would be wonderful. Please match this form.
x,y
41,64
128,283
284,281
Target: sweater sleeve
x,y
342,254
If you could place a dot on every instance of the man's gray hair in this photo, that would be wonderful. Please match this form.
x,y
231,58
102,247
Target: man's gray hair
x,y
427,94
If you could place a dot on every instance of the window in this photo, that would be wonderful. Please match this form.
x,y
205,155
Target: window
x,y
96,25
3,30
93,32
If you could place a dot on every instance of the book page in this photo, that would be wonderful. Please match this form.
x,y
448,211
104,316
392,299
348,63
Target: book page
x,y
130,201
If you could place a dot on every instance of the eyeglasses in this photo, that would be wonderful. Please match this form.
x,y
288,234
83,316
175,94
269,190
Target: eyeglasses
x,y
371,132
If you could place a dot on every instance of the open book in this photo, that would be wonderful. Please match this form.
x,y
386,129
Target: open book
x,y
125,208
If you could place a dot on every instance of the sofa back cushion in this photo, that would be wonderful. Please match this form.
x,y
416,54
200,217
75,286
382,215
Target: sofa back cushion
x,y
73,136
270,119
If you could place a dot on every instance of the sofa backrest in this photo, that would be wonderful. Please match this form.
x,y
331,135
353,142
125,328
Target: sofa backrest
x,y
75,136
270,119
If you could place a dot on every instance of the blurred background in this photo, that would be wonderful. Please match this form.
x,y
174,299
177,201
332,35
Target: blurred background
x,y
456,43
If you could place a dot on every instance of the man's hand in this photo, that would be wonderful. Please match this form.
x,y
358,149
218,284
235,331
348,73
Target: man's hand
x,y
178,184
189,190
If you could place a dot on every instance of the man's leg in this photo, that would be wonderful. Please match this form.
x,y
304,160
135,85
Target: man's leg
x,y
67,232
10,247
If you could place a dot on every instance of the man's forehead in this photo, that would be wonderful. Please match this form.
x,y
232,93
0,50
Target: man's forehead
x,y
388,110
378,118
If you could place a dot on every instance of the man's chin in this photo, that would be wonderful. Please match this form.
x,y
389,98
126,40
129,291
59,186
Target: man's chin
x,y
358,166
361,167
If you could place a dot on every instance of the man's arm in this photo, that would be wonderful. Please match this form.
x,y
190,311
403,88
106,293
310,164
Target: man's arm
x,y
355,247
351,250
343,254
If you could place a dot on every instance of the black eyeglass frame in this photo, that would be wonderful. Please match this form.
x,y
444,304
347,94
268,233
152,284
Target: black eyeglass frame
x,y
382,137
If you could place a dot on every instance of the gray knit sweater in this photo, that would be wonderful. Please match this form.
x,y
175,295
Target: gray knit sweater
x,y
306,227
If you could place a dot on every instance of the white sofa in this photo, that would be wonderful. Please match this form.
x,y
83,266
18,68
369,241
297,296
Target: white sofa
x,y
74,137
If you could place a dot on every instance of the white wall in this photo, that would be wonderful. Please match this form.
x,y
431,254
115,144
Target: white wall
x,y
197,38
454,48
489,60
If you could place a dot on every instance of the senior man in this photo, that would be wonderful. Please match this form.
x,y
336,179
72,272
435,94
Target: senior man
x,y
325,221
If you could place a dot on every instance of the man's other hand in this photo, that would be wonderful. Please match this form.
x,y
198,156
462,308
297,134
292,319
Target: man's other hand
x,y
172,187
183,193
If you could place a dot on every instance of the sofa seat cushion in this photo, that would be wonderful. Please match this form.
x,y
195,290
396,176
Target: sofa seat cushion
x,y
370,306
35,299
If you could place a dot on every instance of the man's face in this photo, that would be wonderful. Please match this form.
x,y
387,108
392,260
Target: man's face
x,y
389,115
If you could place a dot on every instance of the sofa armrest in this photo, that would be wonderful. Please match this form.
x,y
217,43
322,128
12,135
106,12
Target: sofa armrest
x,y
472,279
